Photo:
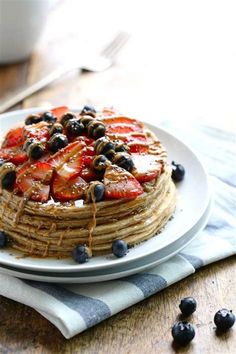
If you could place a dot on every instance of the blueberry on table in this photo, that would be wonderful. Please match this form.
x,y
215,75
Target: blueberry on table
x,y
188,305
119,248
178,172
80,254
33,119
48,117
224,319
183,332
3,239
57,142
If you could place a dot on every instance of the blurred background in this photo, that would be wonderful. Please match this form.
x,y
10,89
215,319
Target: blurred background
x,y
179,64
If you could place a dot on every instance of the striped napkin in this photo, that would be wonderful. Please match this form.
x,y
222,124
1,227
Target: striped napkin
x,y
73,308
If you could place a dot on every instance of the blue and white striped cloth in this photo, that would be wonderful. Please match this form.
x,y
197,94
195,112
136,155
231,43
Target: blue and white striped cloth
x,y
75,307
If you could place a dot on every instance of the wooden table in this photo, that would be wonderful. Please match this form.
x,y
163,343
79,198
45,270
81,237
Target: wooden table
x,y
160,75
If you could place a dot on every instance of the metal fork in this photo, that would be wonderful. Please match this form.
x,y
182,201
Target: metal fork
x,y
93,63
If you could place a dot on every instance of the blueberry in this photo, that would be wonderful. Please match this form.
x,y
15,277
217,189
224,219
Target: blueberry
x,y
96,129
48,117
80,254
89,110
2,162
178,172
104,146
99,191
119,248
55,129
100,162
183,332
224,319
57,142
188,305
85,120
35,151
8,180
123,160
74,127
3,239
28,142
33,119
66,117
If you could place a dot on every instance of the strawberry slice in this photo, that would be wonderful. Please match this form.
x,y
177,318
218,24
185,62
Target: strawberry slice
x,y
14,155
122,125
33,179
147,167
137,142
84,139
72,167
88,174
14,137
59,111
38,131
120,184
64,190
64,155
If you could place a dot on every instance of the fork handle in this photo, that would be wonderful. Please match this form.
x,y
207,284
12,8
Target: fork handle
x,y
37,86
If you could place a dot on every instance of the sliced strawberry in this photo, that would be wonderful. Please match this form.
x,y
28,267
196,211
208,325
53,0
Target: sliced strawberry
x,y
147,167
33,179
14,155
122,120
14,137
88,174
120,184
84,139
59,111
38,131
122,125
63,155
73,166
137,142
64,190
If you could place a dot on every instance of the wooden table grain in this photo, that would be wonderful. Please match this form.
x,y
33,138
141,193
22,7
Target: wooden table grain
x,y
146,82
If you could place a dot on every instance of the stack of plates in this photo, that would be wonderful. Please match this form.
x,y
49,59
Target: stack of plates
x,y
191,215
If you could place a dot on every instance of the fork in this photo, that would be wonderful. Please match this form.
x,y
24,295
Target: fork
x,y
97,63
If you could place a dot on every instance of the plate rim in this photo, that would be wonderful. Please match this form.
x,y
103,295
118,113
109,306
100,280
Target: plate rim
x,y
107,263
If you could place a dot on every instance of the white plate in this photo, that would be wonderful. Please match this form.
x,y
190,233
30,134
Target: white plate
x,y
193,198
112,273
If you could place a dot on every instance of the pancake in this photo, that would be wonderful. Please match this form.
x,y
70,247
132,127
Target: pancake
x,y
54,228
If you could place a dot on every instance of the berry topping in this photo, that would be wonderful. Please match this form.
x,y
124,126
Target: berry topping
x,y
35,149
96,129
66,117
146,167
33,119
119,183
2,161
7,175
59,111
95,191
100,162
178,172
188,305
33,180
14,137
119,248
183,332
90,110
48,117
104,146
14,155
224,319
81,254
122,125
3,239
64,190
57,142
55,129
74,127
38,131
85,120
120,146
123,160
